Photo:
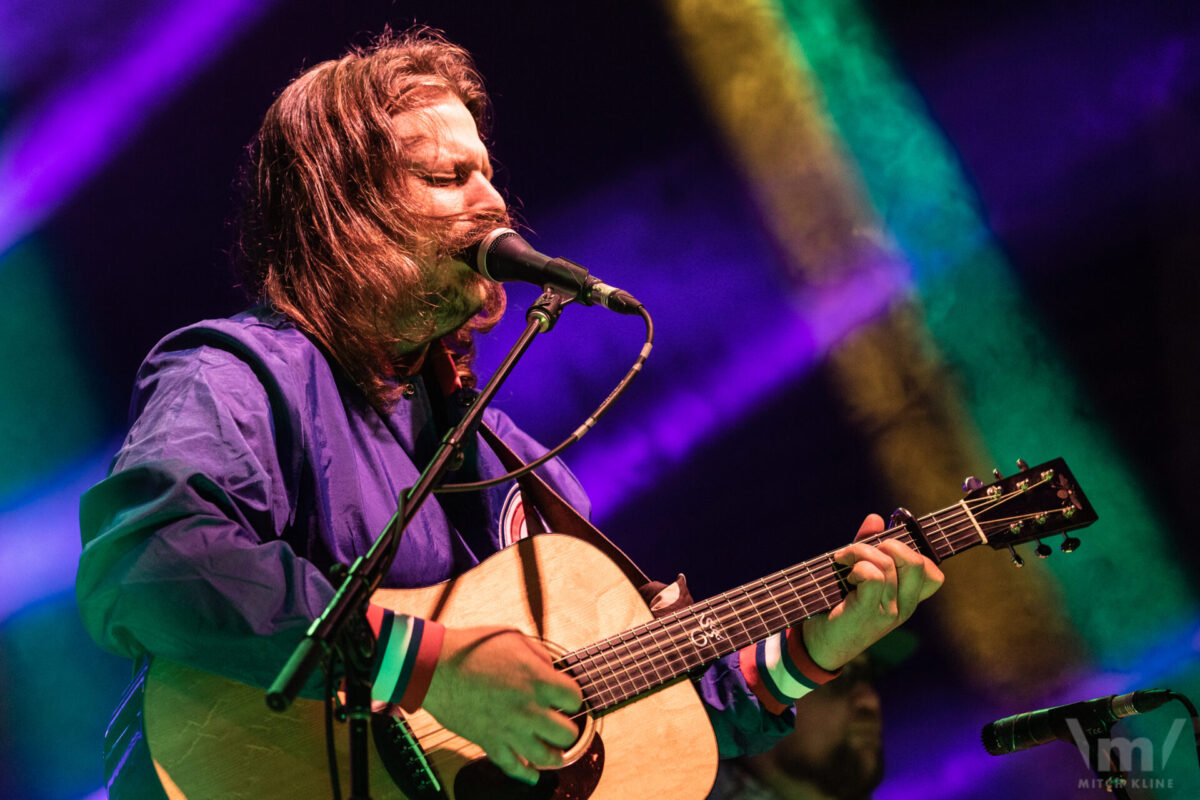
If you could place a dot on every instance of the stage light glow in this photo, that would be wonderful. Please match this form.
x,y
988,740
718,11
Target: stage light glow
x,y
46,417
52,149
769,104
1022,395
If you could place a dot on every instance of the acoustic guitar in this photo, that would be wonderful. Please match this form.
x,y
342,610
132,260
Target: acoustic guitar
x,y
645,732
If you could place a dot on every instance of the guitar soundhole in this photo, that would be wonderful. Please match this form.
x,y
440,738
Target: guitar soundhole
x,y
483,780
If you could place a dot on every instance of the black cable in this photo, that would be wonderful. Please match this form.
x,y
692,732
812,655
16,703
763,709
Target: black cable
x,y
1195,719
581,430
331,750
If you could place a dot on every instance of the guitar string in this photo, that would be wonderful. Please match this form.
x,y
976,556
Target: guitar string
x,y
602,677
613,681
947,538
953,538
616,677
752,596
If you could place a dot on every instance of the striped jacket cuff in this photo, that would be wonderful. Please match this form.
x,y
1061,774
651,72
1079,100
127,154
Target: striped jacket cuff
x,y
780,671
405,658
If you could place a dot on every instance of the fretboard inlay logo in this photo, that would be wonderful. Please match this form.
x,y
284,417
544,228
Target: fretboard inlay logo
x,y
709,631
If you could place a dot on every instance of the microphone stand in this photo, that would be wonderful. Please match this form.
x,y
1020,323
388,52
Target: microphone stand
x,y
342,627
1107,765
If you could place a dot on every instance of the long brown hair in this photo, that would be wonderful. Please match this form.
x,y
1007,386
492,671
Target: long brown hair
x,y
328,233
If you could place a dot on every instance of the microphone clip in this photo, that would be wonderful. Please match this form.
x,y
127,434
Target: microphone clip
x,y
548,307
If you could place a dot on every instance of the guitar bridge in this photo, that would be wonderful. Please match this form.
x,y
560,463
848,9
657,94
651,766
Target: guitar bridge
x,y
404,758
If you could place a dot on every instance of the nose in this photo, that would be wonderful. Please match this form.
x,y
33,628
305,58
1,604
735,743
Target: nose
x,y
482,195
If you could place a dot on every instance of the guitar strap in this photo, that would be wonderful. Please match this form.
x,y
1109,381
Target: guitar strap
x,y
538,498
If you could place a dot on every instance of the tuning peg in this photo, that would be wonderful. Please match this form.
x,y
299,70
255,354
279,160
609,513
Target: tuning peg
x,y
1018,562
1022,464
996,474
1043,550
972,484
1069,544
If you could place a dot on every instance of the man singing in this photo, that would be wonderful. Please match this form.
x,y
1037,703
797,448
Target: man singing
x,y
271,446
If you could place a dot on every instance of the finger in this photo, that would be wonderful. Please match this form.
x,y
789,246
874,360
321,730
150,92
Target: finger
x,y
860,551
537,754
551,687
910,575
934,578
874,577
919,577
866,574
511,764
875,587
555,728
872,525
555,689
858,554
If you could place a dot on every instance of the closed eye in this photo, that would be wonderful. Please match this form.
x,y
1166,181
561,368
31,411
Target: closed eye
x,y
442,180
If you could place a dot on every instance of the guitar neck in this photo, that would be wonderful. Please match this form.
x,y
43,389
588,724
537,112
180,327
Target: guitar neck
x,y
1033,503
635,661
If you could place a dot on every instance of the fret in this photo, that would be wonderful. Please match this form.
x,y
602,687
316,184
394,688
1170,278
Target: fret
x,y
945,539
674,660
778,618
652,658
832,592
839,572
627,671
905,538
762,615
795,605
628,664
600,658
668,648
658,652
974,523
785,598
739,614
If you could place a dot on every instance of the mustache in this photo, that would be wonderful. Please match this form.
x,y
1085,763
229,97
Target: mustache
x,y
453,242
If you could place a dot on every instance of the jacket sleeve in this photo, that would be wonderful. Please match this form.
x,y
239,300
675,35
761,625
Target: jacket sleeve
x,y
183,548
750,694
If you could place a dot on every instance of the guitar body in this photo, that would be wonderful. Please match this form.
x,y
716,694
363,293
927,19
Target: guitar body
x,y
215,739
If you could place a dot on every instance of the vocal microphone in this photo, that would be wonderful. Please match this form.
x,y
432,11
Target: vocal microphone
x,y
1022,731
503,255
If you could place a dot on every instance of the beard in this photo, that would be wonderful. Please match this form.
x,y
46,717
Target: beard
x,y
462,295
847,772
447,294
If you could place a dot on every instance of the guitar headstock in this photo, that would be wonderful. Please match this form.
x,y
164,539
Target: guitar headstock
x,y
1033,504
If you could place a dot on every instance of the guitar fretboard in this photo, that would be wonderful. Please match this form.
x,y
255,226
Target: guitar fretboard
x,y
622,667
1034,503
